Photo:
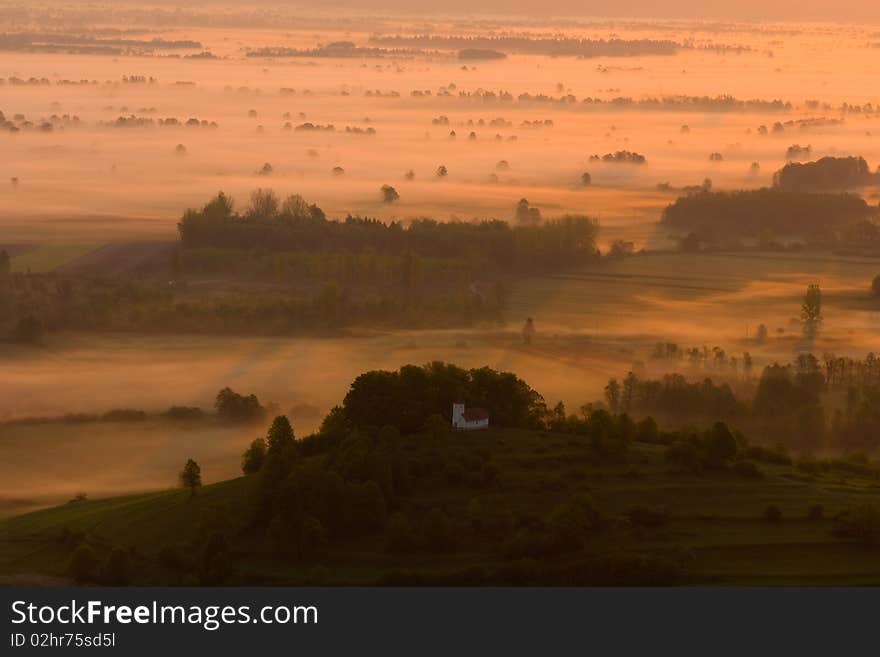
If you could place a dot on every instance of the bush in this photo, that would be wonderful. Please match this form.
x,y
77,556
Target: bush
x,y
389,194
647,431
747,470
648,516
232,407
489,474
400,536
253,457
175,557
184,413
437,532
773,514
124,415
116,569
83,564
454,473
861,523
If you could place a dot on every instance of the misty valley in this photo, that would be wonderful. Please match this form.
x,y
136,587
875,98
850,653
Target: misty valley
x,y
289,298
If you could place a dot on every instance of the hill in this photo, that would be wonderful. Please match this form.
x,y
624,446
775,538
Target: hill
x,y
482,512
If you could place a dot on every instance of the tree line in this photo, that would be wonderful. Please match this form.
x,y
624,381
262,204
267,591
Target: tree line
x,y
295,225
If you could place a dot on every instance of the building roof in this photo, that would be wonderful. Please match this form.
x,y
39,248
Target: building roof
x,y
476,414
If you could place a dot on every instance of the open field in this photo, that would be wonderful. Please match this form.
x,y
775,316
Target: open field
x,y
716,527
105,458
50,257
717,298
112,180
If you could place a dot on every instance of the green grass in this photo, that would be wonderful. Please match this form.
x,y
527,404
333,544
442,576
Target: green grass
x,y
48,257
717,527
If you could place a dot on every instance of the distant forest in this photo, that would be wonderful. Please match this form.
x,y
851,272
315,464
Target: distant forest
x,y
748,213
295,225
571,47
282,267
826,174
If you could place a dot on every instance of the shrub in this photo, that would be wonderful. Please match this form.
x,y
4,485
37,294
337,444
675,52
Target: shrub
x,y
184,413
253,457
124,415
83,564
400,535
116,569
437,531
454,473
175,557
773,514
389,194
643,515
861,523
747,470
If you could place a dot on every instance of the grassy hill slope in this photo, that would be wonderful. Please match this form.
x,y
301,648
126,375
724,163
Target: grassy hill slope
x,y
716,531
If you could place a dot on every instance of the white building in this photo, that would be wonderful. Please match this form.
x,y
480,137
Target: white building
x,y
469,419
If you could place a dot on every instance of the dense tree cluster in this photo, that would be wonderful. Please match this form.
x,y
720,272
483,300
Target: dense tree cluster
x,y
294,225
713,215
556,46
673,396
812,404
825,174
371,290
408,397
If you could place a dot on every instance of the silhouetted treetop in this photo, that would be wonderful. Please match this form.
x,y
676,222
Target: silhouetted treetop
x,y
295,225
825,174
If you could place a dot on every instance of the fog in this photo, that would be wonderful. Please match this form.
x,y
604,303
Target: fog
x,y
90,183
108,182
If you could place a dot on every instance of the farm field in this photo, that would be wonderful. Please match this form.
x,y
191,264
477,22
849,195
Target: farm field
x,y
49,257
701,298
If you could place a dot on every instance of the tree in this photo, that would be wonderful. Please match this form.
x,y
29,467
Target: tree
x,y
233,407
773,514
436,426
280,437
586,179
191,477
214,566
690,243
253,457
761,333
528,331
116,569
875,284
28,330
389,194
612,395
264,204
811,310
861,522
525,213
6,265
83,564
721,445
442,171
